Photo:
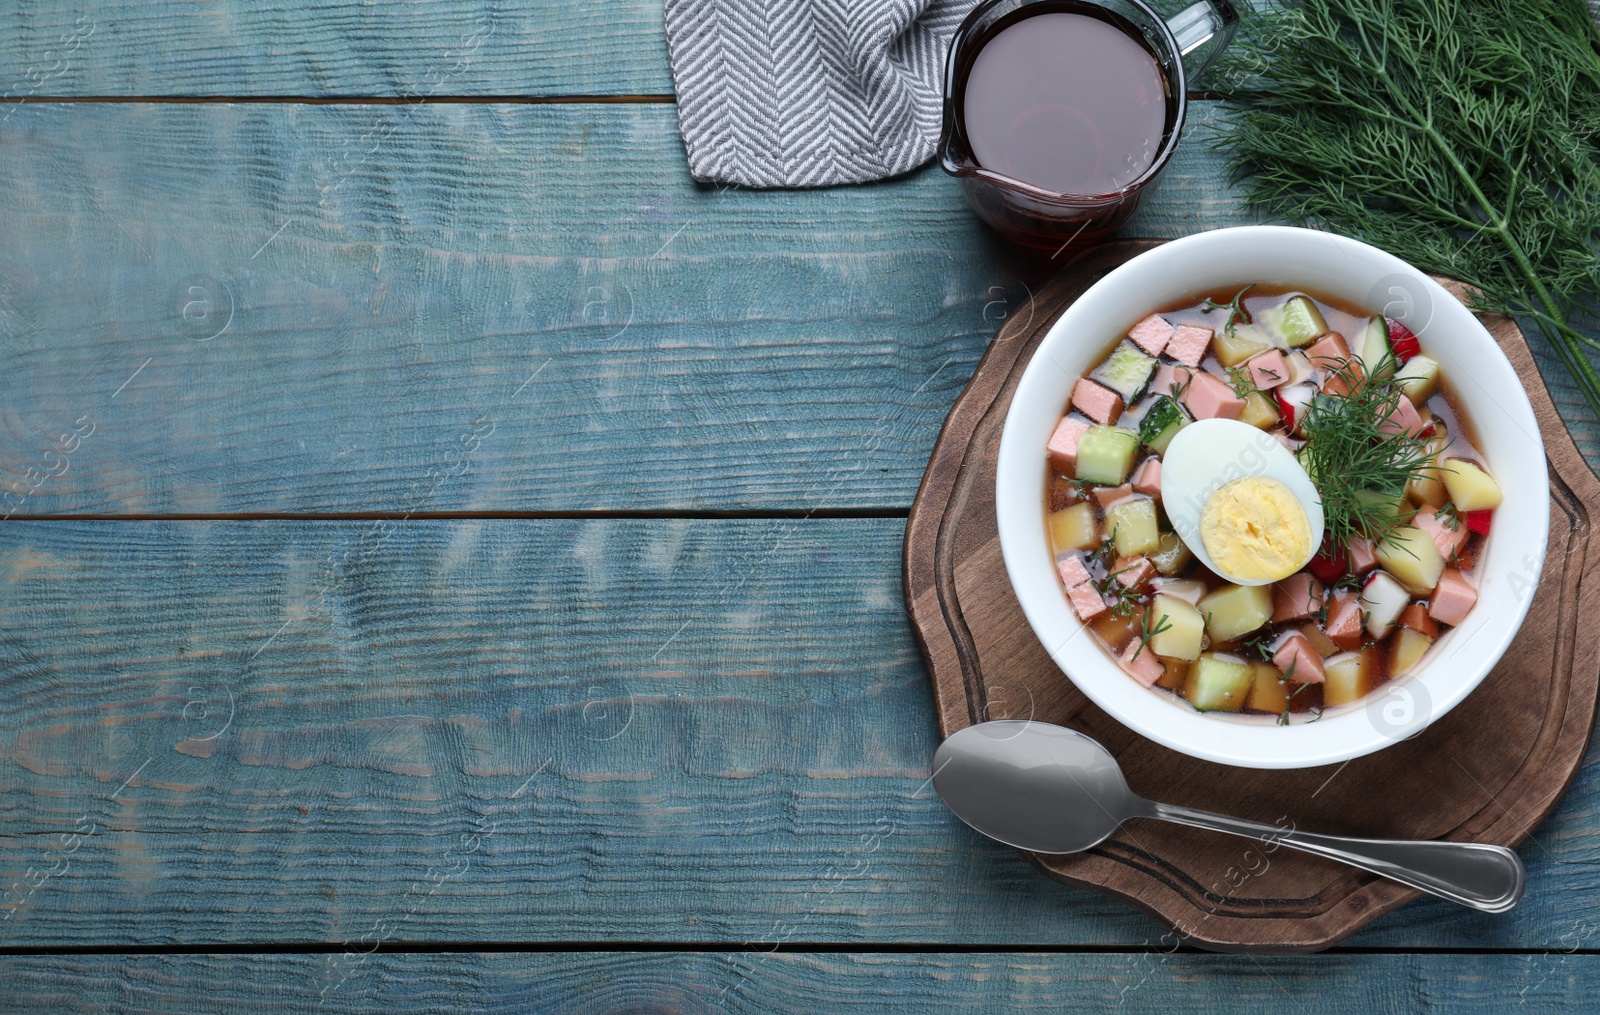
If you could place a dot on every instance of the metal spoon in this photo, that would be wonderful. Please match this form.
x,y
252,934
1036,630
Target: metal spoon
x,y
1048,789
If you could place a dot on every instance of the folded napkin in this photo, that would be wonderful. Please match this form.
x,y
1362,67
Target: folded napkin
x,y
809,93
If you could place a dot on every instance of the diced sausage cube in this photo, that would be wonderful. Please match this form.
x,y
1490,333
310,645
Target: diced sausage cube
x,y
1106,496
1086,601
1296,597
1404,419
1140,663
1297,660
1188,344
1344,625
1133,572
1147,480
1072,571
1453,598
1151,334
1416,617
1332,354
1063,446
1209,397
1448,540
1096,401
1268,370
1362,556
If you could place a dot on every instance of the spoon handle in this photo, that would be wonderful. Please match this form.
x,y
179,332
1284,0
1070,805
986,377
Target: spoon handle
x,y
1484,877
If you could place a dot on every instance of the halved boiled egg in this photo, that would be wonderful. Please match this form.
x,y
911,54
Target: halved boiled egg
x,y
1240,501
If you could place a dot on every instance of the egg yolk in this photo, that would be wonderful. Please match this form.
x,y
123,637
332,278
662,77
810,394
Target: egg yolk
x,y
1256,529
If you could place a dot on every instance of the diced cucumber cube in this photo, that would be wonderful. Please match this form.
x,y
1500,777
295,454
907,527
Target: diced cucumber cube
x,y
1105,454
1126,371
1161,423
1218,683
1373,347
1298,321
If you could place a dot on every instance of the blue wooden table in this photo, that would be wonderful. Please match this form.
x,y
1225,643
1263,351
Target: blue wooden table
x,y
454,561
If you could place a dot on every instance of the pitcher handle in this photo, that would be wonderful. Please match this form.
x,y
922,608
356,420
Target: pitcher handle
x,y
1212,21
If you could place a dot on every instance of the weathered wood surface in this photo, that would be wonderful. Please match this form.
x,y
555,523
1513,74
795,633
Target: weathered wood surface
x,y
681,348
424,49
731,716
746,982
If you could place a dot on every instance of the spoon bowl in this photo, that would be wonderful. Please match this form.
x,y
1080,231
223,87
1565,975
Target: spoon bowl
x,y
1049,789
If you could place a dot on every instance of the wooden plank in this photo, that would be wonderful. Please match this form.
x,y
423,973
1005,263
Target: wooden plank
x,y
277,48
311,308
807,983
710,731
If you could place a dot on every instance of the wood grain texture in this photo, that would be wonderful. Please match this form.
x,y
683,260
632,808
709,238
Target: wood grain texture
x,y
284,48
743,982
396,274
1489,771
278,733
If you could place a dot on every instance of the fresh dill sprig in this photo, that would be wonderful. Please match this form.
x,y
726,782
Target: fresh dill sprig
x,y
1360,469
1240,380
1460,135
1146,632
1235,309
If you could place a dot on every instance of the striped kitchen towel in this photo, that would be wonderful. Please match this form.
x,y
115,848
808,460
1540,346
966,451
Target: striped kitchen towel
x,y
809,93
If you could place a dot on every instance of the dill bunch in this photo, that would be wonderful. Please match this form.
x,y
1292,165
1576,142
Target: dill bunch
x,y
1360,469
1463,137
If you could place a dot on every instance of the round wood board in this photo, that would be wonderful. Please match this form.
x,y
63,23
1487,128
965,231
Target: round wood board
x,y
1489,771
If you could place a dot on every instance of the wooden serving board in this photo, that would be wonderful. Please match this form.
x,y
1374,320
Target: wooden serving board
x,y
1489,771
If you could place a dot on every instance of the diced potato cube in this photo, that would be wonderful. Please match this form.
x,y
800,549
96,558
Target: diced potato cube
x,y
1407,647
1410,555
1419,378
1218,683
1319,640
1348,677
1245,342
1259,411
1105,454
1233,611
1173,556
1176,672
1470,487
1426,485
1073,528
1133,521
1181,626
1268,692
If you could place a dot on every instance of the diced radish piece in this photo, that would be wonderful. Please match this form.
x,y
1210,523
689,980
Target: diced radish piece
x,y
1072,571
1478,521
1452,598
1297,659
1402,342
1099,403
1188,344
1330,564
1063,446
1296,597
1383,599
1292,401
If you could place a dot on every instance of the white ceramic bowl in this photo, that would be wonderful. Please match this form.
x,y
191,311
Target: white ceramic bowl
x,y
1486,386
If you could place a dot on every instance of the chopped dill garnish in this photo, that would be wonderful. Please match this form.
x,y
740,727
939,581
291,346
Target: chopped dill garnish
x,y
1234,307
1146,632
